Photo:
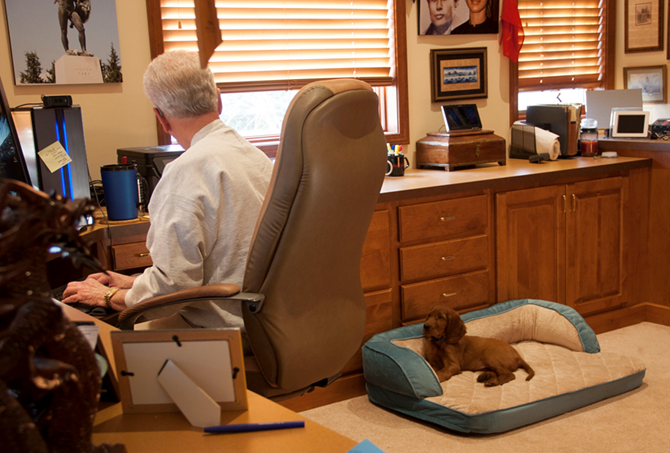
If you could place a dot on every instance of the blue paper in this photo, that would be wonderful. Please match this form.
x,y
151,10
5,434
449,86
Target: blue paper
x,y
366,447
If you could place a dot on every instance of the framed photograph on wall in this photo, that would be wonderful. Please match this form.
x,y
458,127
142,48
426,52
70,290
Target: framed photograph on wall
x,y
64,42
643,25
458,74
651,79
458,17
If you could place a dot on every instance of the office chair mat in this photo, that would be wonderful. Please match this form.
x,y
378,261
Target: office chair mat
x,y
570,370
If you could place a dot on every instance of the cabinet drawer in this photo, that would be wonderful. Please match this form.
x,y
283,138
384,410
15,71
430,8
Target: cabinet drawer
x,y
459,292
443,218
443,258
130,256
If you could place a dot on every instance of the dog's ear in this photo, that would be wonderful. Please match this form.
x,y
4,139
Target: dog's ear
x,y
456,328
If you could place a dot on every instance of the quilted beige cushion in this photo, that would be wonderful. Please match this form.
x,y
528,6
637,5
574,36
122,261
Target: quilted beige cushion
x,y
558,370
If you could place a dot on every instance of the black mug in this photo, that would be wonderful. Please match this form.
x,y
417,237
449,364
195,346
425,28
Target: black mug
x,y
395,165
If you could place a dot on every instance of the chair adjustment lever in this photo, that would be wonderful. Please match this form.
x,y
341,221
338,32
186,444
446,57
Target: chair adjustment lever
x,y
253,301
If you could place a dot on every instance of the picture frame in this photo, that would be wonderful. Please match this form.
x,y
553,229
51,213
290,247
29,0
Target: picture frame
x,y
452,17
458,74
48,47
651,79
643,30
212,358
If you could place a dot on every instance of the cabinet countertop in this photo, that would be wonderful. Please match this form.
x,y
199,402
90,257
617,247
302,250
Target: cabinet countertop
x,y
418,183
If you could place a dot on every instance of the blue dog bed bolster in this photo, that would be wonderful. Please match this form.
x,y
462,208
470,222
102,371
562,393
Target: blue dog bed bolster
x,y
553,338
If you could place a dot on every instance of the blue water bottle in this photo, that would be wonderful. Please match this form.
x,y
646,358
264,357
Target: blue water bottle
x,y
119,183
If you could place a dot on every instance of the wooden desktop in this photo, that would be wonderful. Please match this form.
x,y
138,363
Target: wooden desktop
x,y
171,432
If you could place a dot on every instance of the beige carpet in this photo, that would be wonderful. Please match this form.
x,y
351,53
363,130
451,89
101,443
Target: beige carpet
x,y
637,421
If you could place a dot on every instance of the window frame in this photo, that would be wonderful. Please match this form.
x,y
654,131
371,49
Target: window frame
x,y
608,79
269,144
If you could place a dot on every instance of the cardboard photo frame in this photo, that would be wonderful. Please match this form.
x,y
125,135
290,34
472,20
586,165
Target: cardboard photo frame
x,y
211,358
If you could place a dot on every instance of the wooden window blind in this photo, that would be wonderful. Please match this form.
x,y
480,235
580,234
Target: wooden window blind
x,y
565,44
285,44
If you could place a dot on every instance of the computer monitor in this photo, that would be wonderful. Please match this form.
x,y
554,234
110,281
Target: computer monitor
x,y
599,103
12,163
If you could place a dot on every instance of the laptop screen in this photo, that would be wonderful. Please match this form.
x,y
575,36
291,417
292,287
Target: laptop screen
x,y
461,117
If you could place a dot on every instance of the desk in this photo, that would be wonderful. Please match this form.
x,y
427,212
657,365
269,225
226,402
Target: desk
x,y
171,432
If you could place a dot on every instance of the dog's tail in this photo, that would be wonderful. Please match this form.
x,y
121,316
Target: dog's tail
x,y
528,369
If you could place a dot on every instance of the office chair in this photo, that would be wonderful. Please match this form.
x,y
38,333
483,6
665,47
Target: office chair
x,y
303,303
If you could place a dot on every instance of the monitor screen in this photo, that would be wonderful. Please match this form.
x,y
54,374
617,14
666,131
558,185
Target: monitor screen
x,y
12,164
461,117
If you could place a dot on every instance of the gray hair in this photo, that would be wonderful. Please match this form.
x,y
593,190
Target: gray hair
x,y
178,87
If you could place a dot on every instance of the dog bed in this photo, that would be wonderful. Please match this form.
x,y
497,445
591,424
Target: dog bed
x,y
570,370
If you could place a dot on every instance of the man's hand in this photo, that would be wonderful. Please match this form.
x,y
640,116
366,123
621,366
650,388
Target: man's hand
x,y
113,279
89,292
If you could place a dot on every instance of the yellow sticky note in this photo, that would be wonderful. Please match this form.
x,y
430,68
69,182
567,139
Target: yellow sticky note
x,y
54,157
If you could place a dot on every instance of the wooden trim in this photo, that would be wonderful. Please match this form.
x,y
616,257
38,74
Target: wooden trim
x,y
611,44
513,92
402,137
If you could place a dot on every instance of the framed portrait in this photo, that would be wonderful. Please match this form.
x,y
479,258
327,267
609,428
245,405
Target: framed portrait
x,y
643,25
457,17
651,79
458,74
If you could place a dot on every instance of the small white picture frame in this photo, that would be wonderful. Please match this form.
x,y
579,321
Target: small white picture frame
x,y
211,358
629,124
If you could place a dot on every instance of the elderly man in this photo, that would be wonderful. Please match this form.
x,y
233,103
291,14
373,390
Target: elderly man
x,y
204,208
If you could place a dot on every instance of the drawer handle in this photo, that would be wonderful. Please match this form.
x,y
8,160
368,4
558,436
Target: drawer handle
x,y
442,219
144,255
447,258
448,294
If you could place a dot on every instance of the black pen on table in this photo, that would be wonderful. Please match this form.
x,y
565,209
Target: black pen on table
x,y
249,427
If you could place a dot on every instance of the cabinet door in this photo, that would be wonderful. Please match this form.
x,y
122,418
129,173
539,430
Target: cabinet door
x,y
595,245
530,244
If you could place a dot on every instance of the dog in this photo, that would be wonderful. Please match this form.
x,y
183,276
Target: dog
x,y
449,351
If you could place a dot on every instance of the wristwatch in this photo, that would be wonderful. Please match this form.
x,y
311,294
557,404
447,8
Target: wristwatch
x,y
108,296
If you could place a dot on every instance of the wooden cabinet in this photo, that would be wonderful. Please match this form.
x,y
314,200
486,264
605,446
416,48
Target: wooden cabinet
x,y
444,255
563,243
131,256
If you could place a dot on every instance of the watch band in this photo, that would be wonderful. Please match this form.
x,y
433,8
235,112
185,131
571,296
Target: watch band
x,y
108,296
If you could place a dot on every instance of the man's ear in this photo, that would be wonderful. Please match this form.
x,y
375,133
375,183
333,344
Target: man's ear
x,y
218,92
165,123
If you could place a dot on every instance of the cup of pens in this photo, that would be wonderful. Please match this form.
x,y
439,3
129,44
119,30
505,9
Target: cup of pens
x,y
397,162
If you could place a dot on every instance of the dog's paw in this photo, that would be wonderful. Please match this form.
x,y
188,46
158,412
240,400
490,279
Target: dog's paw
x,y
484,377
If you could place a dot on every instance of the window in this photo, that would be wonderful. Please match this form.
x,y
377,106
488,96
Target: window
x,y
273,47
568,48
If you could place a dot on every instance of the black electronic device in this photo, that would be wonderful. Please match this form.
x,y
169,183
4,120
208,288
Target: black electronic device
x,y
12,162
52,102
151,161
538,158
461,117
63,125
553,118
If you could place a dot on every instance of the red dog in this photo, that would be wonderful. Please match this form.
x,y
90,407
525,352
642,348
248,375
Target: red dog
x,y
449,351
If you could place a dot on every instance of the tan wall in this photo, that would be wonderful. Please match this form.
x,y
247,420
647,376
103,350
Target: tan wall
x,y
118,115
627,60
425,116
115,115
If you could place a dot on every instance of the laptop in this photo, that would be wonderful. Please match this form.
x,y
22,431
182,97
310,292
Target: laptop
x,y
461,117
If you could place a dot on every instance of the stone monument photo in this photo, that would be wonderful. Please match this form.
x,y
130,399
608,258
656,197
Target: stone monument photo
x,y
64,41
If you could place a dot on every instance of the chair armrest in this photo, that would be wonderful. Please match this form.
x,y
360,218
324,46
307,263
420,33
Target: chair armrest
x,y
225,291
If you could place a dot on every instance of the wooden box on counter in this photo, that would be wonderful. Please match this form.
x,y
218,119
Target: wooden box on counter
x,y
450,150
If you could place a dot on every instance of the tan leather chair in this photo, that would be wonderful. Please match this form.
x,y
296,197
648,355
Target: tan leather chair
x,y
304,307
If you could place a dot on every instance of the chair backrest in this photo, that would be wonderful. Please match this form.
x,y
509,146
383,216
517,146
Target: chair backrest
x,y
306,250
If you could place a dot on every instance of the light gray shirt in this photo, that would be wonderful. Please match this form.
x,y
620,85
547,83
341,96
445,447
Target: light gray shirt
x,y
203,214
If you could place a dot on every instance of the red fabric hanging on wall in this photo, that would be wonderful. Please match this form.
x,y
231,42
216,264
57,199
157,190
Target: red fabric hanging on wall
x,y
512,34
